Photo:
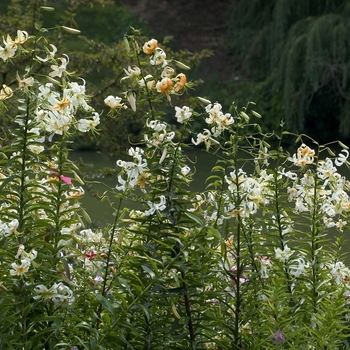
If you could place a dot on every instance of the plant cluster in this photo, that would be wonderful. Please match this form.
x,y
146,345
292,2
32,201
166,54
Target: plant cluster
x,y
96,53
247,263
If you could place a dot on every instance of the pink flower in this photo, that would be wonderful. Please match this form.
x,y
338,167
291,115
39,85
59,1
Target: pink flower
x,y
65,179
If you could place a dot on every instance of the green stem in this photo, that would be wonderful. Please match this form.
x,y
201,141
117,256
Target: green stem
x,y
106,282
281,239
22,191
21,213
61,159
314,244
146,87
238,202
188,310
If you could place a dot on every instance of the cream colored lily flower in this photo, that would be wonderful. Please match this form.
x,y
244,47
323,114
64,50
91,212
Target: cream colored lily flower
x,y
24,82
305,155
131,72
168,72
21,37
5,93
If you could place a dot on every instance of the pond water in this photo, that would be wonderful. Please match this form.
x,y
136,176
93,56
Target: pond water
x,y
91,163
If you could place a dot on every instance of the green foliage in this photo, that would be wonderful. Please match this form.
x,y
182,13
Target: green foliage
x,y
246,263
98,54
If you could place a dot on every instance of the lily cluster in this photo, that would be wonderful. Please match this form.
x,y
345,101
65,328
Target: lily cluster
x,y
39,201
166,82
266,227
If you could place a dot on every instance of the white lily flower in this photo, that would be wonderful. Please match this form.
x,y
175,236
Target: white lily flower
x,y
283,255
45,293
342,157
20,251
158,57
20,270
7,52
64,295
85,125
50,54
57,71
183,114
77,96
8,228
156,206
185,170
148,81
114,102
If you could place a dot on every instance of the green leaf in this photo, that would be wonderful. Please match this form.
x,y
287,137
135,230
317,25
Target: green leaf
x,y
194,218
26,310
106,319
214,232
106,304
218,168
148,270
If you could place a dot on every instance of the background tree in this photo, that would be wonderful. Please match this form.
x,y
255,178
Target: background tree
x,y
296,54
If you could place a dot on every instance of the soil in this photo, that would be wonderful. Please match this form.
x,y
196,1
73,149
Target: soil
x,y
195,25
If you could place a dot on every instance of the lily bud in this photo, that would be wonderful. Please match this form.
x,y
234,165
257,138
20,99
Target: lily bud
x,y
342,145
204,100
182,65
131,97
245,116
126,43
71,30
256,114
53,80
47,8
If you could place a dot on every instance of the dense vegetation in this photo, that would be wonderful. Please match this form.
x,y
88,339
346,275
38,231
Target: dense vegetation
x,y
252,261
